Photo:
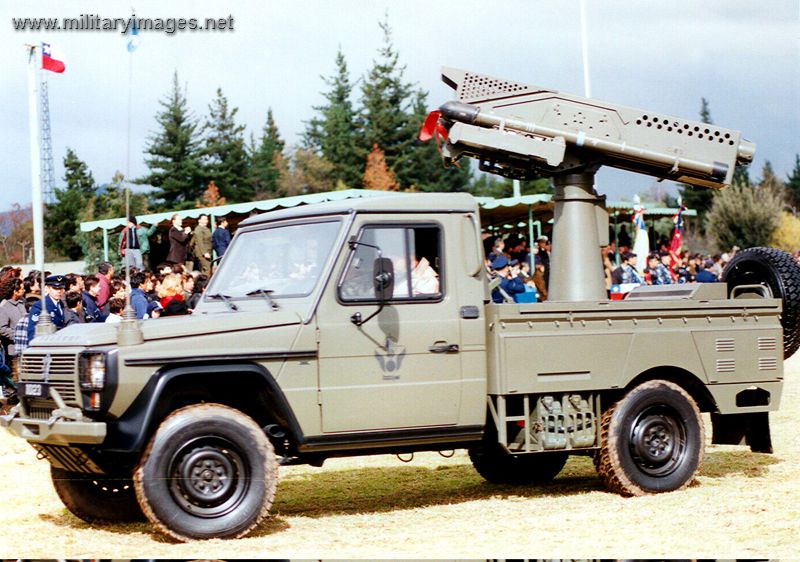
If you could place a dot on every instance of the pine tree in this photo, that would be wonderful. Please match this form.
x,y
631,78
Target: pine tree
x,y
333,133
264,170
377,174
226,158
385,96
793,184
176,171
303,171
741,176
421,168
62,219
699,198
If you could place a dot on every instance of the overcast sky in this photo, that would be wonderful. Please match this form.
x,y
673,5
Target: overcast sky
x,y
743,56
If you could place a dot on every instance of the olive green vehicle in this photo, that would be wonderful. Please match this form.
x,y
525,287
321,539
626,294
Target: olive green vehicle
x,y
366,326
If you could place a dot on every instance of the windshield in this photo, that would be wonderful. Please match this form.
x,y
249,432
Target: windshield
x,y
286,260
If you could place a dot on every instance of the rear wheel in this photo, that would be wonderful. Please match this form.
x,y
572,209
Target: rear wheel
x,y
208,472
651,440
780,272
95,498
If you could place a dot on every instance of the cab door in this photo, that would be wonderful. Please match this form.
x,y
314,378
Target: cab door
x,y
400,369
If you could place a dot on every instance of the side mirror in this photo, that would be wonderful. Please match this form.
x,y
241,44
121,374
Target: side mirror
x,y
383,278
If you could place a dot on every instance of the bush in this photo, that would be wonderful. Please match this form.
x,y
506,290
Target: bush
x,y
787,235
744,216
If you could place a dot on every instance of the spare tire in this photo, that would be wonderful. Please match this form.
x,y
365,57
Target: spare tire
x,y
780,272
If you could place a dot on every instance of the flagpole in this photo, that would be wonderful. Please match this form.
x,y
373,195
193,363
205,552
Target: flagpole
x,y
36,162
44,325
129,333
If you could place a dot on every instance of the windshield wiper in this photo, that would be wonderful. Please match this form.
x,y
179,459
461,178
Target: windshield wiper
x,y
226,299
267,294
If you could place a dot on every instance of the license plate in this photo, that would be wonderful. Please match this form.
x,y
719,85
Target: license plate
x,y
35,390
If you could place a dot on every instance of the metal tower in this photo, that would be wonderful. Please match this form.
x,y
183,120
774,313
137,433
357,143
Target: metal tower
x,y
48,171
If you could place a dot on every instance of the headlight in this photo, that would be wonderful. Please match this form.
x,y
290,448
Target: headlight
x,y
93,371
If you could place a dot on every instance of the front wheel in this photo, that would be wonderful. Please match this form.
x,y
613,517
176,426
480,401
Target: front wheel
x,y
651,440
208,472
95,498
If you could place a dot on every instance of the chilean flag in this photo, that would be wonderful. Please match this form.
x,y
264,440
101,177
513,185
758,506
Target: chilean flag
x,y
48,62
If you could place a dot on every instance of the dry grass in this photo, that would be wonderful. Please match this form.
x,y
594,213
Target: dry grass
x,y
744,506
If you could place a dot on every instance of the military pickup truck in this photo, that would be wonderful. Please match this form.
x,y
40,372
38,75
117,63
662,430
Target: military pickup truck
x,y
366,327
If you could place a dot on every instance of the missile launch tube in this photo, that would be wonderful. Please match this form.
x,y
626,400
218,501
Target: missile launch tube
x,y
472,115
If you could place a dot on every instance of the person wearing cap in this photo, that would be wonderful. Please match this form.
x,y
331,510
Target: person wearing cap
x,y
510,283
54,287
659,274
544,256
134,243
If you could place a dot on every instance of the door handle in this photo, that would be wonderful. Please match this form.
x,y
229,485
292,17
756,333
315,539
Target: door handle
x,y
443,347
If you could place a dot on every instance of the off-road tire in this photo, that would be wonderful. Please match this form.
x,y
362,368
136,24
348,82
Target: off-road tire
x,y
781,273
208,472
668,454
97,499
498,467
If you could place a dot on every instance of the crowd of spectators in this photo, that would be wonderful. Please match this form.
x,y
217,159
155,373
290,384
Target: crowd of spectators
x,y
508,260
172,288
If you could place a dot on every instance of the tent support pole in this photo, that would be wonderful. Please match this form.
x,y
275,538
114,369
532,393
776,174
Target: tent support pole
x,y
105,244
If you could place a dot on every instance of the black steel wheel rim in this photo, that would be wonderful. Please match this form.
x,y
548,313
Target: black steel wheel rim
x,y
113,487
658,441
208,477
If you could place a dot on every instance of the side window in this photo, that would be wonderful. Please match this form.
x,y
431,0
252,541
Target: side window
x,y
415,252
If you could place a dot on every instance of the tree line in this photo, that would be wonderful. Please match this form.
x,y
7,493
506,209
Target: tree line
x,y
363,135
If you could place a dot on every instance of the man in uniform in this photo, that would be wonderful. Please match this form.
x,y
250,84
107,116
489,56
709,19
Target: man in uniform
x,y
510,284
54,287
201,245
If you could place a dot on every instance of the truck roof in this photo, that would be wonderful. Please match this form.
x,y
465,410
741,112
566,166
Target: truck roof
x,y
390,203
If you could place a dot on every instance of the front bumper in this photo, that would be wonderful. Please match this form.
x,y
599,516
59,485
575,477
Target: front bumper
x,y
60,432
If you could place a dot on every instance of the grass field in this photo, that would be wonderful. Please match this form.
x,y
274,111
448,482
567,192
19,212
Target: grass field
x,y
744,506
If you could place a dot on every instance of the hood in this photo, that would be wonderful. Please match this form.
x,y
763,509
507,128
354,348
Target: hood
x,y
93,335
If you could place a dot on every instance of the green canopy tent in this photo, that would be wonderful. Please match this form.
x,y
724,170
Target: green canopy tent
x,y
498,216
235,212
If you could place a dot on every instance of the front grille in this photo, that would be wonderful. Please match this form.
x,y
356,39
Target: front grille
x,y
61,365
66,389
60,371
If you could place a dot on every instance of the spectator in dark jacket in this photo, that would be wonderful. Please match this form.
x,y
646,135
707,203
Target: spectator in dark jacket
x,y
221,238
509,284
91,311
704,275
138,298
178,241
73,313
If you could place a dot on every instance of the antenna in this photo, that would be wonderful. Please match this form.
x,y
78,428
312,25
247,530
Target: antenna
x,y
48,170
